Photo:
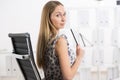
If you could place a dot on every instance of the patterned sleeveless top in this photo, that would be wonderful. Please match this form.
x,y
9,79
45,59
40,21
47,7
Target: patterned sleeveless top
x,y
52,67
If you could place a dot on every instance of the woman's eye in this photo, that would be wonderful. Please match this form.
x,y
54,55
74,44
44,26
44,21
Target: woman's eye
x,y
58,15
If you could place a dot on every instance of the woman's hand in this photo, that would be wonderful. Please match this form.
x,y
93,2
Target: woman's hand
x,y
79,52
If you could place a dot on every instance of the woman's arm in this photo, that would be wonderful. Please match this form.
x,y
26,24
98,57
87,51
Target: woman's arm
x,y
62,52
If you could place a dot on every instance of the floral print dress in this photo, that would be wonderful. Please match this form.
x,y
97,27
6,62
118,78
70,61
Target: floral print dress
x,y
51,68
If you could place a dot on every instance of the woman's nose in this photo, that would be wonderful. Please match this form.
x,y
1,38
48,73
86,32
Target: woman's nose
x,y
63,18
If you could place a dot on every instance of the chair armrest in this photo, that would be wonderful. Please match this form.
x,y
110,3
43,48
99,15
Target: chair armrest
x,y
21,56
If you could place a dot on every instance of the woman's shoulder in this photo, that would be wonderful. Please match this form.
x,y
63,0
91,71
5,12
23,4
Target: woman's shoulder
x,y
61,36
61,39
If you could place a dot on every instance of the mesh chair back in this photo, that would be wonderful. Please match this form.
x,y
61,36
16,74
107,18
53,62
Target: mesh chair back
x,y
22,48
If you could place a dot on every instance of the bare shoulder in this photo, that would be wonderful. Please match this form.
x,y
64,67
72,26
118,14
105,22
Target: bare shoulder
x,y
61,41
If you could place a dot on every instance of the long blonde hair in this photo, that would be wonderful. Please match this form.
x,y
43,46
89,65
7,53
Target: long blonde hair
x,y
46,28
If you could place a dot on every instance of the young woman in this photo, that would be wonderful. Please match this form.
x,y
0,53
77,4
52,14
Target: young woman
x,y
53,52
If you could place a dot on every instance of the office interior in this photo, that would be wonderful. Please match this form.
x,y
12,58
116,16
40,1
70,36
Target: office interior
x,y
95,24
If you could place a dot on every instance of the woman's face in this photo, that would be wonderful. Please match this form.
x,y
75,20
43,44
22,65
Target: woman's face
x,y
58,17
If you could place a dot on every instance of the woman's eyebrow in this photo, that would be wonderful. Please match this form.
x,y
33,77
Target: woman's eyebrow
x,y
60,12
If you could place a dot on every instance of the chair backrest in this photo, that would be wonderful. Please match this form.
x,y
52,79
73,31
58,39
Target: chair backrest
x,y
22,50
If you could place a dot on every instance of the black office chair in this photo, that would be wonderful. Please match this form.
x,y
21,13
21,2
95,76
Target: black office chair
x,y
22,49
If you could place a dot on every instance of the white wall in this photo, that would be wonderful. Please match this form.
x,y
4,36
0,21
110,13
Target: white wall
x,y
19,16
